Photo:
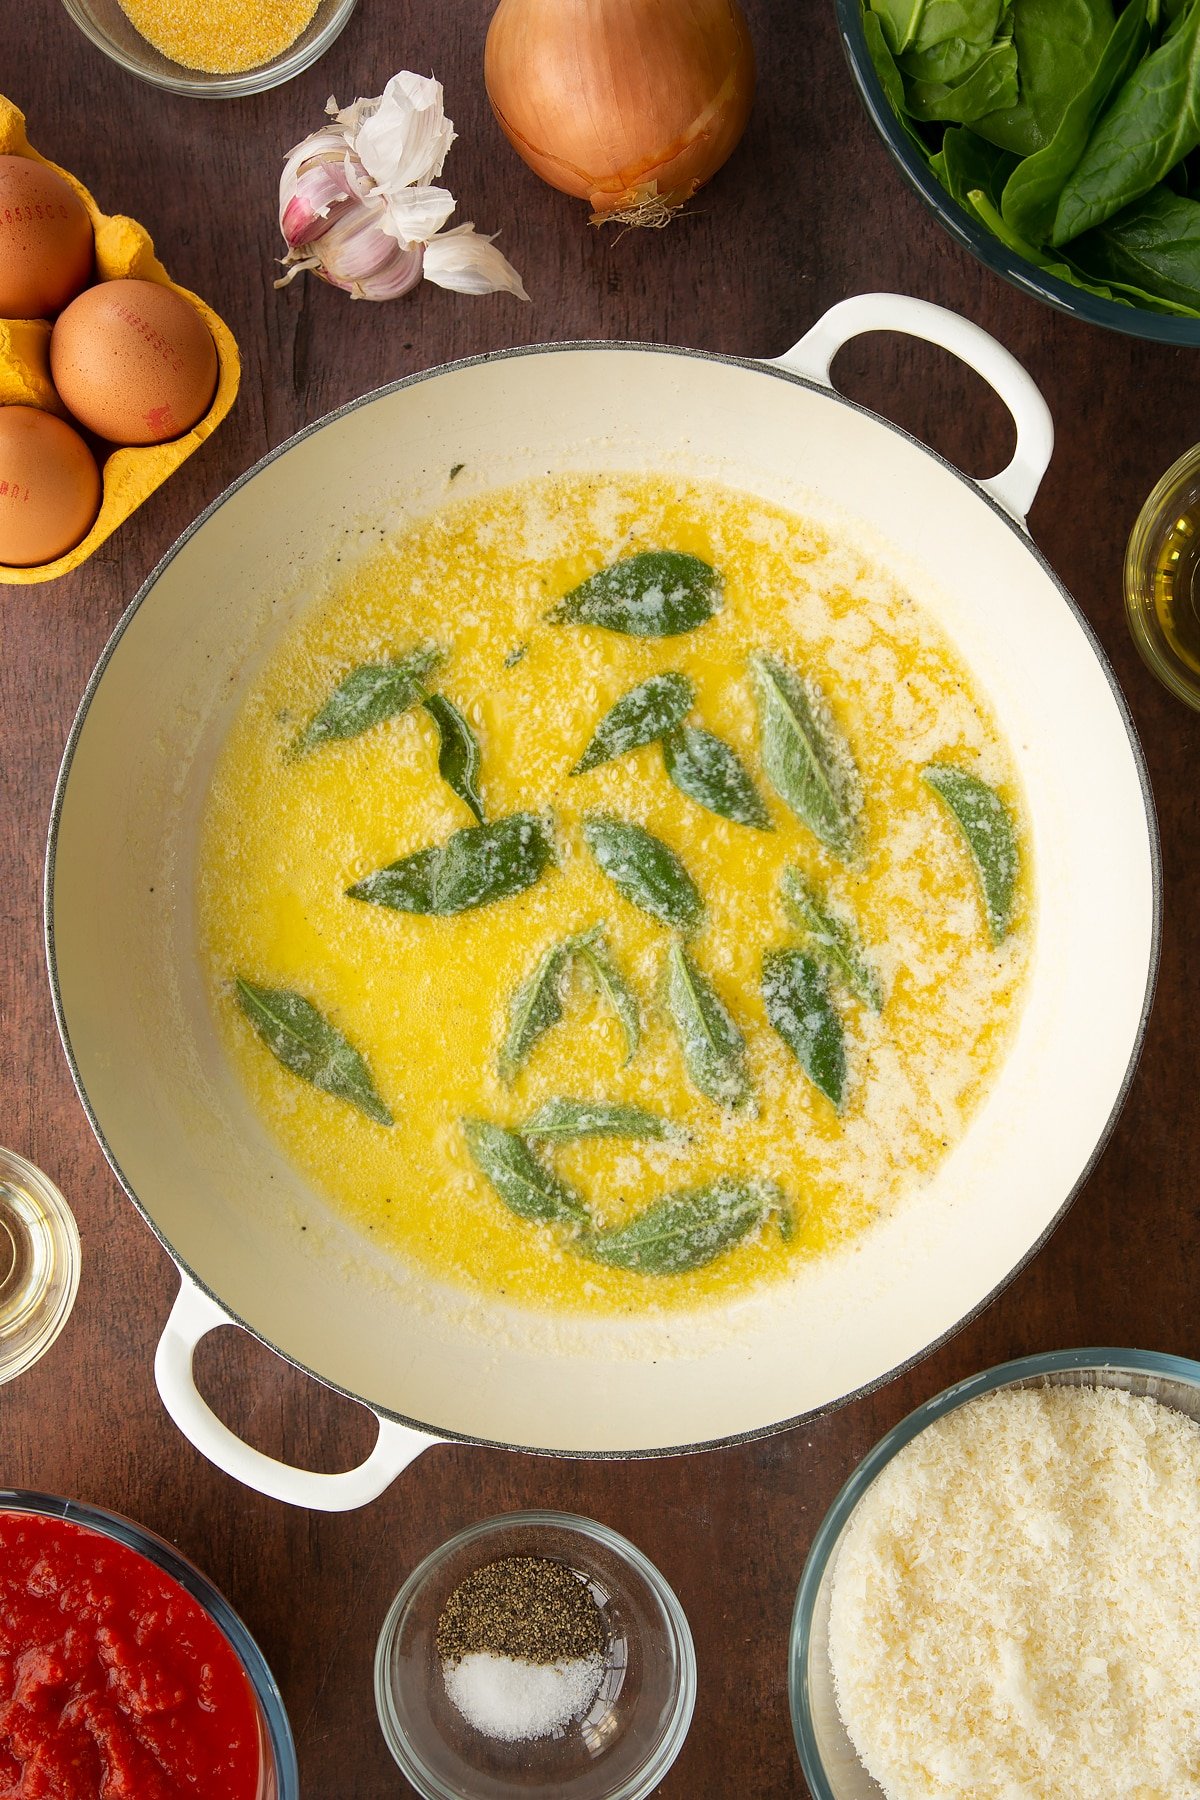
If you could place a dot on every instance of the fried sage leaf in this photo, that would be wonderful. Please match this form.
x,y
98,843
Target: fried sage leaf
x,y
657,593
458,751
304,1041
714,1050
805,755
367,696
565,1118
475,866
799,1007
592,946
709,771
646,712
522,1180
644,869
991,836
535,1007
834,940
685,1231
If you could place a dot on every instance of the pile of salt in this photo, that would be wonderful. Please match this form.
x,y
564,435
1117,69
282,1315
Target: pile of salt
x,y
508,1698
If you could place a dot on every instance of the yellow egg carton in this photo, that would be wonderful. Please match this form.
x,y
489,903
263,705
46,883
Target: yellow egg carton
x,y
123,248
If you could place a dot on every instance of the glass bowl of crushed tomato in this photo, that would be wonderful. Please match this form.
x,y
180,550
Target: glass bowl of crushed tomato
x,y
124,1674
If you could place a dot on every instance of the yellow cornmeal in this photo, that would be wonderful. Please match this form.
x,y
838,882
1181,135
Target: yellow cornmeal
x,y
220,37
424,999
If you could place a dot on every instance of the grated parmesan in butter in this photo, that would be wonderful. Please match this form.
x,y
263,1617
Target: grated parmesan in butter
x,y
425,999
1015,1609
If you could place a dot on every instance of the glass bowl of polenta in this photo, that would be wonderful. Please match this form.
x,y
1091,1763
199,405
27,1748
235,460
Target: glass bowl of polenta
x,y
217,50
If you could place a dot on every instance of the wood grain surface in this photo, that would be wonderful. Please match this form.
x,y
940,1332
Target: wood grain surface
x,y
809,210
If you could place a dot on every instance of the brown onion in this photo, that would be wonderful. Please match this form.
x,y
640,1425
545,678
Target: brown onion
x,y
630,104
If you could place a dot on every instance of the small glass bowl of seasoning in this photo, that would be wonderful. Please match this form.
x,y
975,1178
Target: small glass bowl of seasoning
x,y
39,1264
216,49
1162,579
535,1653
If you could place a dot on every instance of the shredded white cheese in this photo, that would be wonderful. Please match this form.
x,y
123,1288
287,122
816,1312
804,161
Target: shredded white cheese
x,y
1015,1610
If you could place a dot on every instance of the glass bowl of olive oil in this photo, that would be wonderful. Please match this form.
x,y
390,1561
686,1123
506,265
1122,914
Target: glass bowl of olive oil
x,y
1162,579
39,1264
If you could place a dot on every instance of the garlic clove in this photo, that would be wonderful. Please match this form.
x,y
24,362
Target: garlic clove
x,y
405,140
414,214
314,193
399,277
468,262
355,246
321,146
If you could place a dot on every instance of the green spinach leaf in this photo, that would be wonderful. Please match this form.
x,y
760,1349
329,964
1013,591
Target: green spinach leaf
x,y
1065,269
1058,46
919,27
1153,123
952,37
965,162
1031,193
1153,246
891,81
304,1041
989,84
899,22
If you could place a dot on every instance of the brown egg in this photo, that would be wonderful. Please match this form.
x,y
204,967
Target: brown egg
x,y
134,362
46,240
49,487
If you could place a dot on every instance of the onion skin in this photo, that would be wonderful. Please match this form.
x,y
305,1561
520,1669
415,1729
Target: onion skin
x,y
629,104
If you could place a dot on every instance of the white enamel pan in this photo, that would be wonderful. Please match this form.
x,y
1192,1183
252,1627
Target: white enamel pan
x,y
253,1243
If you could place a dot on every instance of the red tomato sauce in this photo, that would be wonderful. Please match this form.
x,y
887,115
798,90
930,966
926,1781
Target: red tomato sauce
x,y
114,1683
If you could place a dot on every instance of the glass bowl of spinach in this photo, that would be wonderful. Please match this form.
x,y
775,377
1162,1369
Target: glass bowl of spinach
x,y
1058,140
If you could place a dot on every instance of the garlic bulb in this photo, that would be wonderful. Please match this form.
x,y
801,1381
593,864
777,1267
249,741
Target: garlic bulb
x,y
357,204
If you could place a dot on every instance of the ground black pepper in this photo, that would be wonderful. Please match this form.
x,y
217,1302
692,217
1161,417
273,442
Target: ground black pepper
x,y
522,1606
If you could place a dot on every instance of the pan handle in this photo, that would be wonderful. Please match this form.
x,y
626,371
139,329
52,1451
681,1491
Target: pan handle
x,y
193,1316
1014,487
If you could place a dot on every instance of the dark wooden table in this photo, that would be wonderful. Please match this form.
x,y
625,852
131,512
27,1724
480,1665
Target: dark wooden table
x,y
808,211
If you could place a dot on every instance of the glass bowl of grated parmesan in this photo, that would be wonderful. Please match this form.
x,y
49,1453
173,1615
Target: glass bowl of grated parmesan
x,y
1003,1598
